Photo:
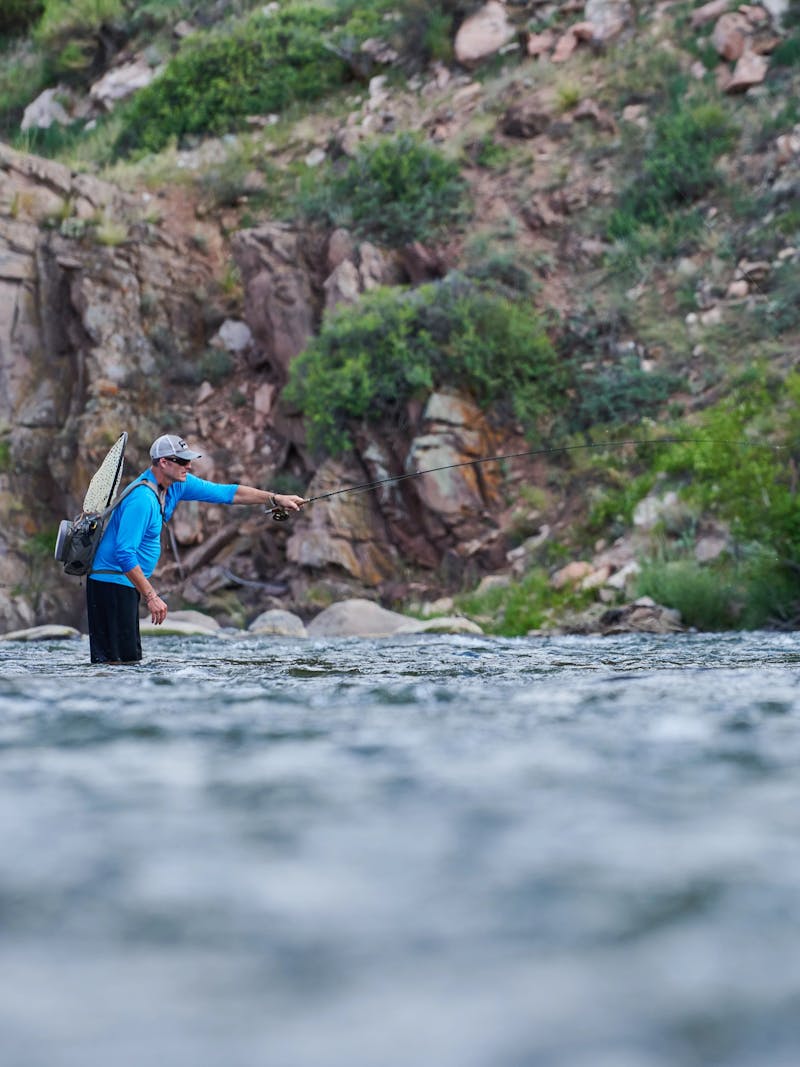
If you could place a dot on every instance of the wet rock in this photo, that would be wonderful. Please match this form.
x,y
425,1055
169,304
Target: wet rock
x,y
278,623
175,628
358,618
444,624
195,618
41,633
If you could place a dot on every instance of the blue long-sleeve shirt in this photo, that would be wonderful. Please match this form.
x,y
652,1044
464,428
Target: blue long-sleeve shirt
x,y
133,535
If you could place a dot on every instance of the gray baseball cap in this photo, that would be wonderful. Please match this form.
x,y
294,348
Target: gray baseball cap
x,y
169,444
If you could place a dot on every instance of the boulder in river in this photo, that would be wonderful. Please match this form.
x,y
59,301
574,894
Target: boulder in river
x,y
278,623
364,618
41,633
357,618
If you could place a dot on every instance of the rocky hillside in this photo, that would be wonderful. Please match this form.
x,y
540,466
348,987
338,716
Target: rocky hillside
x,y
405,238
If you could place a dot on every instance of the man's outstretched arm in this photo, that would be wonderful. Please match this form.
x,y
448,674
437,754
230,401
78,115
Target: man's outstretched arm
x,y
248,494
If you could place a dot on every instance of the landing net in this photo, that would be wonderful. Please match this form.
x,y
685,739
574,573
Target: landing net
x,y
103,486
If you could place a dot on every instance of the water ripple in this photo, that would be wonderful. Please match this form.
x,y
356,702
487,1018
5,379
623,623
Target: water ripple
x,y
457,851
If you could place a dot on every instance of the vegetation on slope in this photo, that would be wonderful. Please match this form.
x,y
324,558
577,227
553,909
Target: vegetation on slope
x,y
694,199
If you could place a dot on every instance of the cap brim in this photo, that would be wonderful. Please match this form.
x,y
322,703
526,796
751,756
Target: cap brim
x,y
187,453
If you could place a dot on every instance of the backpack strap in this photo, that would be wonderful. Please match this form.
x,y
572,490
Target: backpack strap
x,y
111,507
129,489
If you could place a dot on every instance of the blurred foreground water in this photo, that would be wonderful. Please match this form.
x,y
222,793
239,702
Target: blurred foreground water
x,y
423,852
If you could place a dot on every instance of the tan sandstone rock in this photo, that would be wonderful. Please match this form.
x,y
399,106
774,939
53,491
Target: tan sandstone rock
x,y
483,34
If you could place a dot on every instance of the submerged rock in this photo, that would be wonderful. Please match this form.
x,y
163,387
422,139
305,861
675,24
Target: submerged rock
x,y
278,623
174,627
41,633
357,618
445,624
363,618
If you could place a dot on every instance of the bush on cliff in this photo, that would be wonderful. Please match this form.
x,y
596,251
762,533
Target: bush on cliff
x,y
735,469
396,190
370,359
675,164
16,16
79,37
261,65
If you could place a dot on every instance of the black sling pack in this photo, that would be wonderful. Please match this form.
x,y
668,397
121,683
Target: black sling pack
x,y
77,540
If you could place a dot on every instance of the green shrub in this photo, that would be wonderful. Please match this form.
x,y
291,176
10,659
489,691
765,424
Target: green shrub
x,y
733,469
524,605
17,16
488,153
619,392
704,598
23,74
787,53
396,190
368,360
757,592
609,385
215,365
613,507
425,31
781,313
503,273
676,165
635,243
80,36
263,64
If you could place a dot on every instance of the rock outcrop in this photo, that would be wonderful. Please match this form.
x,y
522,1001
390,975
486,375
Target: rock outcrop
x,y
105,320
97,305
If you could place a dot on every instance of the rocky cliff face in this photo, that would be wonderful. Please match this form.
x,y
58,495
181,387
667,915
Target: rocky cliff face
x,y
109,312
87,288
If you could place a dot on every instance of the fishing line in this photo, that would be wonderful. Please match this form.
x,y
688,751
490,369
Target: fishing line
x,y
280,514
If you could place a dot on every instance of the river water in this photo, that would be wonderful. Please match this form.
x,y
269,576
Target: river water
x,y
419,852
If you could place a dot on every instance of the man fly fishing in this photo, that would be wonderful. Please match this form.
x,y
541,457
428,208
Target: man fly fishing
x,y
131,545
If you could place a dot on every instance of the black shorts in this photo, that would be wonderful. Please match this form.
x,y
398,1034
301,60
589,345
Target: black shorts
x,y
113,612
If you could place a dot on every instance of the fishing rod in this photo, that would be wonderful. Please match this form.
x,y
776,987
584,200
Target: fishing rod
x,y
280,514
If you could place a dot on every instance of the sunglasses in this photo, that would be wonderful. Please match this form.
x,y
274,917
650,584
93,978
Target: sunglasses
x,y
180,462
